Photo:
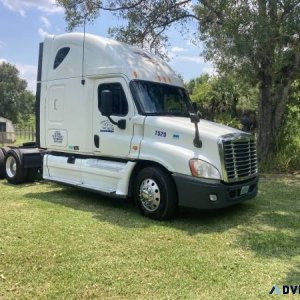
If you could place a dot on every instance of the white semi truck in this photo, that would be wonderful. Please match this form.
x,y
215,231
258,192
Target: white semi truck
x,y
114,119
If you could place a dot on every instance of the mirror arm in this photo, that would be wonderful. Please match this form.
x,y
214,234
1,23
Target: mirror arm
x,y
197,141
121,123
112,121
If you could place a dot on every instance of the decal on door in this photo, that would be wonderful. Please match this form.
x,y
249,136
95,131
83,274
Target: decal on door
x,y
106,126
57,137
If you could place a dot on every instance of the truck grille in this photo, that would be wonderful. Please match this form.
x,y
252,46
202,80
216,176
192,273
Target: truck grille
x,y
239,157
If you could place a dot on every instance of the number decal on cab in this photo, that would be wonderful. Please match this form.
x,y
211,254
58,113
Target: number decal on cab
x,y
160,133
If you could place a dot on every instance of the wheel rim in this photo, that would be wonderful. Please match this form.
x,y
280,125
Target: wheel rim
x,y
11,166
149,194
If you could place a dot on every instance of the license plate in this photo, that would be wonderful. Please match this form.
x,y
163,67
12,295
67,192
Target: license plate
x,y
244,190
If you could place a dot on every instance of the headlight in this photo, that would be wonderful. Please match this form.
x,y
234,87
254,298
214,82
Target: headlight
x,y
200,168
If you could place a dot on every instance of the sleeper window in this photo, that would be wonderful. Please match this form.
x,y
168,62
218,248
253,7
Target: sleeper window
x,y
60,56
120,106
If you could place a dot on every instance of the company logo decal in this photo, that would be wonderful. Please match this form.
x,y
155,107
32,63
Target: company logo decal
x,y
176,136
106,126
57,137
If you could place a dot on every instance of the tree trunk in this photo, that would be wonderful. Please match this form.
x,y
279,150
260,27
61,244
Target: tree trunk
x,y
271,110
265,134
233,109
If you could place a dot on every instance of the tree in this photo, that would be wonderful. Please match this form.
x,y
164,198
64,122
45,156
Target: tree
x,y
223,98
288,140
259,39
16,103
146,20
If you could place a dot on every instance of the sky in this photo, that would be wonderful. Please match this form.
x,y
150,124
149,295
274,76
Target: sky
x,y
25,23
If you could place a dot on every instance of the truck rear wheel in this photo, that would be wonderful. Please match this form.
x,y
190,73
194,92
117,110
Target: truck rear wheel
x,y
155,193
14,173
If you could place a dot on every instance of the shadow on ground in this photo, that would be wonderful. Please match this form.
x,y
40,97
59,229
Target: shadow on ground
x,y
293,276
105,209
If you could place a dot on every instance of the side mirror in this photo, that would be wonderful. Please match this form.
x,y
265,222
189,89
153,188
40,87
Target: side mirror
x,y
106,106
194,118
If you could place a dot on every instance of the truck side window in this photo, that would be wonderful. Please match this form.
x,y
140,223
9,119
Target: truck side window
x,y
60,56
120,105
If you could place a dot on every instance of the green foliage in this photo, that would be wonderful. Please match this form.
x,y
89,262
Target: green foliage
x,y
260,41
216,98
228,120
27,123
286,156
252,37
16,103
291,122
223,98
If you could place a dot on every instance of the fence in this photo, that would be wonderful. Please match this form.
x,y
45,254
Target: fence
x,y
18,137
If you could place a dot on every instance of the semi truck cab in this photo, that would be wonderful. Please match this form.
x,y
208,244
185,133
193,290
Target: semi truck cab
x,y
115,119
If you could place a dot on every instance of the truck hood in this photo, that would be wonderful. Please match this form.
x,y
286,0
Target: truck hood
x,y
169,141
179,125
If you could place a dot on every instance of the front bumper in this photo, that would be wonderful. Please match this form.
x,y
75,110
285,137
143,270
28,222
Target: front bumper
x,y
194,192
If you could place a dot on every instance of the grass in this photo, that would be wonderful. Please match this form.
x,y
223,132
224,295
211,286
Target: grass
x,y
64,243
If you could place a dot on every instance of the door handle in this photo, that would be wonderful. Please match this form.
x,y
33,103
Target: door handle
x,y
96,140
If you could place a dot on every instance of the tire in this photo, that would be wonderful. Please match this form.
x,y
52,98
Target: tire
x,y
155,194
14,173
5,149
1,164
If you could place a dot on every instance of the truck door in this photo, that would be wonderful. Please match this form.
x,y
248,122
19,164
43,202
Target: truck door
x,y
109,139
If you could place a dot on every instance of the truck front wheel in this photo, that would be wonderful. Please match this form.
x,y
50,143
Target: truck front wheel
x,y
155,193
14,172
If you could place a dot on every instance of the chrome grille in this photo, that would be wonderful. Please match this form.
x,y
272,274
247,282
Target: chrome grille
x,y
239,157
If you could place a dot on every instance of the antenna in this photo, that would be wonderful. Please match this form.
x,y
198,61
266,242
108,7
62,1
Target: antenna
x,y
83,47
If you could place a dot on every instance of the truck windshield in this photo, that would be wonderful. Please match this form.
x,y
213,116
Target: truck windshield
x,y
160,99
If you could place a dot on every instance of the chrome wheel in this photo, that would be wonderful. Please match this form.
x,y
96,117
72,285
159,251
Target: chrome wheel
x,y
149,194
11,166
